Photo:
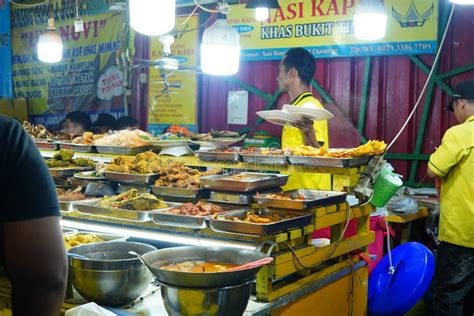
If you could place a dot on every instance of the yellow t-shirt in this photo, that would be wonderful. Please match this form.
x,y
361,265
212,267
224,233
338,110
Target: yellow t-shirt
x,y
453,161
292,136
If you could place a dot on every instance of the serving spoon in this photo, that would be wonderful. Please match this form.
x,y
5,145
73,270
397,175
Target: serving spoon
x,y
251,265
133,253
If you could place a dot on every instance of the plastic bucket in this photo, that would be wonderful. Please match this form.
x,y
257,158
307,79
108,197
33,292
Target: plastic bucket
x,y
385,187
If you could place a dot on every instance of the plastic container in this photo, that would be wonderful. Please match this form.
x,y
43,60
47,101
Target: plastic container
x,y
385,187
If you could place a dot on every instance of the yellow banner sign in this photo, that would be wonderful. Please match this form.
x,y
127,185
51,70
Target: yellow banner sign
x,y
172,95
326,28
86,79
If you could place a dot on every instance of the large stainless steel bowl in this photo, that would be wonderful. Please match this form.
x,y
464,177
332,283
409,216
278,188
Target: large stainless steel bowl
x,y
225,301
110,276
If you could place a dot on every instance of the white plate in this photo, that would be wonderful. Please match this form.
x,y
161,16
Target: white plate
x,y
279,117
88,175
168,143
218,142
308,110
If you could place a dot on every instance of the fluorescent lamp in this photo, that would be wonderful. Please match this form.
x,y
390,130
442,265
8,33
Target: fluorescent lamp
x,y
152,18
370,20
262,14
220,49
462,1
50,44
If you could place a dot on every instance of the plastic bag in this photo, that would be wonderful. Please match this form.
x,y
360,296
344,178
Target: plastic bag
x,y
89,309
402,204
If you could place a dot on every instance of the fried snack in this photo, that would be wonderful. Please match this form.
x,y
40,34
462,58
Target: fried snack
x,y
80,239
372,147
64,159
143,163
177,175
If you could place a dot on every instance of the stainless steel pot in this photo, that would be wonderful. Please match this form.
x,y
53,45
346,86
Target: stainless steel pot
x,y
110,276
225,301
159,258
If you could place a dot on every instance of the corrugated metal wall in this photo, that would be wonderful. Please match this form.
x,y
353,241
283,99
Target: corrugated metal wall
x,y
396,83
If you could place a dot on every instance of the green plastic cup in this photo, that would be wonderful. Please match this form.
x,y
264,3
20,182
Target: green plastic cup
x,y
385,187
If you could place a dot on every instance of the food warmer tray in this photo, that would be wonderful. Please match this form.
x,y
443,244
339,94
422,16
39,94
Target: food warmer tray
x,y
329,161
103,236
265,159
67,231
264,181
244,228
121,150
179,192
230,198
218,156
46,145
89,208
141,188
66,207
67,172
77,147
131,178
313,198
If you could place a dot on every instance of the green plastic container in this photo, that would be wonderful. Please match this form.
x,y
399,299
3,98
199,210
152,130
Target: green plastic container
x,y
385,187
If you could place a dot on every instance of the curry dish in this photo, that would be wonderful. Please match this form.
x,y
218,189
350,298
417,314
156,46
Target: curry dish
x,y
199,266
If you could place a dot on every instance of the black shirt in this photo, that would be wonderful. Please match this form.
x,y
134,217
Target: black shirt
x,y
26,188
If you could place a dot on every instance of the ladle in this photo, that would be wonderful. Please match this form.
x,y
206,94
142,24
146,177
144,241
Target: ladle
x,y
77,256
250,265
133,253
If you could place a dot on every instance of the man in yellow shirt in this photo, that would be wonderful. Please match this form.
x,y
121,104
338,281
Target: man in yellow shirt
x,y
453,163
296,71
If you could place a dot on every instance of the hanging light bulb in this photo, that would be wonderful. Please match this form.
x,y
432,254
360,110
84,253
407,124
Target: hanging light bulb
x,y
262,8
220,49
462,1
50,44
370,20
152,18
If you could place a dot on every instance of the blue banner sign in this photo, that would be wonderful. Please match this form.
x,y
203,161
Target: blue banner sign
x,y
6,87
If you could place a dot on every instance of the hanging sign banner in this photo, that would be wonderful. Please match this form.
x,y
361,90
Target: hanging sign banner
x,y
6,89
87,79
175,104
326,28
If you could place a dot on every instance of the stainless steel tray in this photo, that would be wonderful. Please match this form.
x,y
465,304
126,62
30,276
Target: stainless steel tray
x,y
230,198
103,236
46,145
313,198
89,208
329,162
130,178
264,181
77,147
67,231
187,221
179,192
66,172
118,150
228,226
141,188
216,156
70,206
265,159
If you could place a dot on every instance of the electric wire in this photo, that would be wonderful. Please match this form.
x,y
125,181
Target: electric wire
x,y
428,80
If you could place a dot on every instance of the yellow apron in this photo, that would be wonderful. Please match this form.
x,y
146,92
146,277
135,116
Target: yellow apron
x,y
292,136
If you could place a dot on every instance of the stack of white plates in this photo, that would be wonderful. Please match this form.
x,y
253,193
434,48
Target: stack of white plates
x,y
291,114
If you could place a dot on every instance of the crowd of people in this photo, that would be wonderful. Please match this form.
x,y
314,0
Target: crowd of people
x,y
76,123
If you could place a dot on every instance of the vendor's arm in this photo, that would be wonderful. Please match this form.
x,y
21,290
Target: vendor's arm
x,y
306,127
37,265
449,153
33,248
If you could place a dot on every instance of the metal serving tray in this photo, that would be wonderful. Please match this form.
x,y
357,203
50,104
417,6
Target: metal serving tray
x,y
180,192
141,188
228,226
66,172
130,178
77,147
217,156
67,231
119,150
105,237
230,198
264,181
46,145
313,198
265,159
70,206
187,221
89,208
329,162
